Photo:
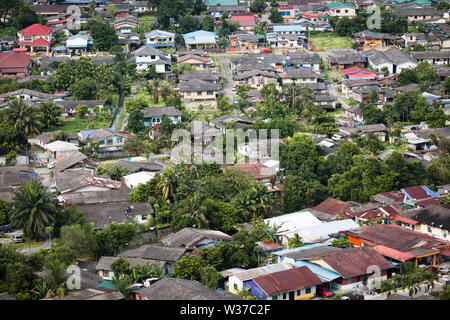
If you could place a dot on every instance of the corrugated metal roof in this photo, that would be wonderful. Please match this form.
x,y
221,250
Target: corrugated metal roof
x,y
324,274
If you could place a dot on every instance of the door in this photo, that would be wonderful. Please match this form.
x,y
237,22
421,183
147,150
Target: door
x,y
291,295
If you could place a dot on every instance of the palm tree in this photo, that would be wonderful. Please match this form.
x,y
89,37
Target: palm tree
x,y
56,277
50,114
153,87
166,89
195,210
25,118
33,208
168,183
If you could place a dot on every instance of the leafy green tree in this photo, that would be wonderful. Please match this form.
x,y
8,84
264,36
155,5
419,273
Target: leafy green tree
x,y
136,145
371,114
103,33
208,23
50,114
295,242
80,238
113,237
210,277
258,6
84,89
275,16
188,267
188,24
437,118
298,193
56,277
20,278
81,111
120,268
33,208
5,209
342,242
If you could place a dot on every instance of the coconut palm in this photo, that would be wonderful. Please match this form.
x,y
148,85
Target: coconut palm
x,y
166,90
24,118
153,87
33,208
56,277
194,209
168,183
50,114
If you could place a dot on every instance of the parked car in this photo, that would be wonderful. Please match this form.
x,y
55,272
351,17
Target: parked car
x,y
17,238
324,292
345,298
443,270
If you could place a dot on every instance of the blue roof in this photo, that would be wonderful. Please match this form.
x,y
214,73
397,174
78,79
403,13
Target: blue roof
x,y
87,133
310,246
106,284
60,48
287,27
211,3
200,37
79,36
323,274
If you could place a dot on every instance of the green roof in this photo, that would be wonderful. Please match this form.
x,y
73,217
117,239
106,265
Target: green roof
x,y
333,5
424,2
106,284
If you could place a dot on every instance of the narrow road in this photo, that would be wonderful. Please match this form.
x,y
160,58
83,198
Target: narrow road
x,y
120,106
46,245
227,89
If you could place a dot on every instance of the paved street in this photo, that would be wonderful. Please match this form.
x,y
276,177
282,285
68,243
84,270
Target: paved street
x,y
227,89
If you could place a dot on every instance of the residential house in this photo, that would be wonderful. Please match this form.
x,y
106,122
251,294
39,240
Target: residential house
x,y
400,244
104,270
102,215
223,122
94,294
72,160
79,44
434,221
15,64
319,233
181,289
338,9
169,255
238,279
200,39
107,196
379,130
199,62
414,39
325,101
81,180
334,207
257,78
245,20
293,284
146,56
133,180
354,265
160,39
368,40
204,75
260,173
393,59
31,96
305,253
293,221
216,12
192,238
360,93
36,38
198,90
202,132
68,107
344,59
44,138
57,149
292,41
358,73
439,35
418,14
433,57
301,76
302,60
154,115
285,29
110,142
12,177
240,41
124,25
153,165
288,13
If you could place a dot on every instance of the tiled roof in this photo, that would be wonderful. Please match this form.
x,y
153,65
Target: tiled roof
x,y
333,207
36,29
14,60
286,281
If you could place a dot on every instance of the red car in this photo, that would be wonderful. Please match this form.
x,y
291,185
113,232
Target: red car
x,y
324,292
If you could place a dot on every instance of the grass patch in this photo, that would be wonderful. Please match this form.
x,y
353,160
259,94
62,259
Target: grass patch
x,y
146,18
24,245
323,40
76,125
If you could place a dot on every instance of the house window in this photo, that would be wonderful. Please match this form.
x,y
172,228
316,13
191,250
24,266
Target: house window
x,y
308,290
109,141
152,57
235,287
210,92
284,296
119,139
102,142
199,93
349,280
430,230
299,292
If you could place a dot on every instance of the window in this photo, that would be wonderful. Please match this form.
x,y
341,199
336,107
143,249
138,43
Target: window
x,y
119,139
210,92
308,290
349,280
235,287
109,141
284,296
102,142
430,230
299,292
199,93
153,57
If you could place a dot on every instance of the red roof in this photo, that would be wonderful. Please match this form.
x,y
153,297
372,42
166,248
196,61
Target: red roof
x,y
36,29
287,281
417,193
245,19
358,72
19,49
333,207
394,254
10,60
256,169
